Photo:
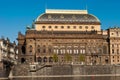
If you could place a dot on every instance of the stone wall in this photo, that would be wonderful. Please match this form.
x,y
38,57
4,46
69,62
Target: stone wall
x,y
24,70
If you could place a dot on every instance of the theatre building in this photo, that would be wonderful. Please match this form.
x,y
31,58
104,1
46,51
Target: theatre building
x,y
68,37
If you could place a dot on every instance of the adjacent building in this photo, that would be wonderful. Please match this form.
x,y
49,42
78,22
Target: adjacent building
x,y
69,37
8,51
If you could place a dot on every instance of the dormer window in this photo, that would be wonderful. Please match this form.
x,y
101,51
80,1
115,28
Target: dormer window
x,y
62,27
68,27
86,27
80,27
50,27
56,26
43,26
74,27
92,27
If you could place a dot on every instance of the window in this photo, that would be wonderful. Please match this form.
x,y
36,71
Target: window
x,y
49,16
75,51
30,48
44,50
86,27
38,50
50,27
50,49
118,57
112,33
56,26
113,51
83,51
43,26
104,49
117,45
23,50
61,51
112,45
113,60
30,51
74,27
80,27
57,51
68,51
92,27
117,51
68,27
117,33
62,27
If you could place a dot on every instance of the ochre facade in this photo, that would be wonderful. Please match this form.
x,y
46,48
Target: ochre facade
x,y
68,37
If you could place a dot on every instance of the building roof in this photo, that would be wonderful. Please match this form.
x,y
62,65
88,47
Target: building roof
x,y
73,16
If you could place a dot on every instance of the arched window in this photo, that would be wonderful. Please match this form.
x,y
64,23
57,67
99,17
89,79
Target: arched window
x,y
45,59
39,59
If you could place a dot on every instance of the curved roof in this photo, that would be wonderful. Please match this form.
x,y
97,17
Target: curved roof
x,y
67,18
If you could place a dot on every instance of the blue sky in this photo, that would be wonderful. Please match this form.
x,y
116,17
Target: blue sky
x,y
15,15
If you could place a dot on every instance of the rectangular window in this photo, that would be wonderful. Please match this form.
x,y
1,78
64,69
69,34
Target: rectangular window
x,y
113,60
70,51
112,51
118,57
61,51
113,56
83,51
117,33
57,51
77,51
117,51
112,45
54,50
74,51
117,45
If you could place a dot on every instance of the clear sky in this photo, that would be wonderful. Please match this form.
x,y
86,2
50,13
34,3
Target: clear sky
x,y
15,15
